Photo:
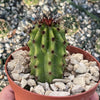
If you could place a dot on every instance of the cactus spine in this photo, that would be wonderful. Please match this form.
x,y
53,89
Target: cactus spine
x,y
47,51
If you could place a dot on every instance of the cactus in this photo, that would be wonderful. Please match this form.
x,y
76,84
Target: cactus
x,y
31,2
97,47
93,1
36,2
71,24
4,28
47,50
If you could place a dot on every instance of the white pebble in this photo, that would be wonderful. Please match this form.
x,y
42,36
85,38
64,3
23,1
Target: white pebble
x,y
81,69
16,76
77,89
23,83
39,89
53,87
48,92
60,85
79,80
31,89
31,82
66,80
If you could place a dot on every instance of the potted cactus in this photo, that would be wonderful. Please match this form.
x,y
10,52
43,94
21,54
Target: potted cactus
x,y
47,53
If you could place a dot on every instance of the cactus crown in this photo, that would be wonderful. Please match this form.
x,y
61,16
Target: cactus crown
x,y
47,49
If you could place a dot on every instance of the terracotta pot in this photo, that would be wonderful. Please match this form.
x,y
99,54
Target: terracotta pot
x,y
22,94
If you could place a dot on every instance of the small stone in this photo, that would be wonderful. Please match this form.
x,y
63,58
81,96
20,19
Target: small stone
x,y
70,84
94,71
70,67
93,83
39,89
19,53
96,79
17,82
98,31
45,9
87,77
84,62
89,26
25,76
74,61
66,74
16,76
87,81
18,68
98,11
23,83
1,50
71,77
56,93
76,66
45,85
80,17
92,63
31,82
48,92
73,73
79,80
53,87
77,89
61,80
31,76
60,85
1,77
96,74
81,69
96,68
77,56
87,87
31,89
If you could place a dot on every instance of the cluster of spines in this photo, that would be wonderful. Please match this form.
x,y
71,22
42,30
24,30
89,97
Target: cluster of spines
x,y
47,51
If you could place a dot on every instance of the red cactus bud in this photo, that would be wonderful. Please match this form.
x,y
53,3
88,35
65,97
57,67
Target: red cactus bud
x,y
43,46
50,73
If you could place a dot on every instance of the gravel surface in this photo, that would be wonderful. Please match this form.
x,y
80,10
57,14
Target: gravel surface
x,y
19,17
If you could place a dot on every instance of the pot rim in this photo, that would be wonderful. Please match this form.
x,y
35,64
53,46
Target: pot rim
x,y
79,94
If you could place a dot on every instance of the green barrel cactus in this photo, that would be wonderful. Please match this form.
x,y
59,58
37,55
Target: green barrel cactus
x,y
4,28
47,50
97,47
